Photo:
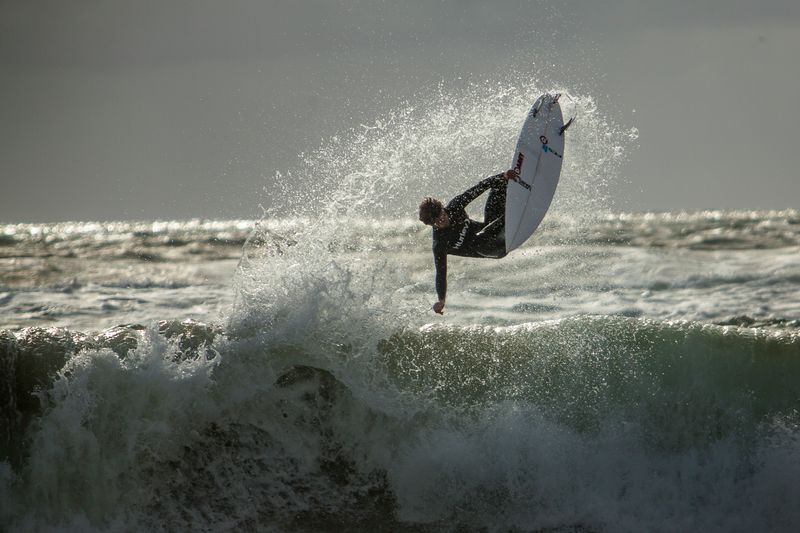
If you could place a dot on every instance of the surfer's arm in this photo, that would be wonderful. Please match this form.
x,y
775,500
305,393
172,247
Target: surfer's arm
x,y
440,262
462,200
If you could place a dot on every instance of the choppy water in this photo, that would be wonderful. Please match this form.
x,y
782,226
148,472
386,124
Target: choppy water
x,y
620,372
712,266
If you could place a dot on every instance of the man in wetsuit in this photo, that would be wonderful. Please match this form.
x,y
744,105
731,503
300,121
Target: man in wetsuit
x,y
457,234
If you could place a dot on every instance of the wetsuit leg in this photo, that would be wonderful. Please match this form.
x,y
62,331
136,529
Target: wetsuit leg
x,y
495,206
494,216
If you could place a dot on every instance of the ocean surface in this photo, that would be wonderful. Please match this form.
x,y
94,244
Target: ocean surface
x,y
621,371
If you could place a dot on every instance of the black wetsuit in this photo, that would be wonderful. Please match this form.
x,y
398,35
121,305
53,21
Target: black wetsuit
x,y
466,237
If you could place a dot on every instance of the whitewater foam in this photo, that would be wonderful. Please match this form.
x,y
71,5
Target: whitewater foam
x,y
598,422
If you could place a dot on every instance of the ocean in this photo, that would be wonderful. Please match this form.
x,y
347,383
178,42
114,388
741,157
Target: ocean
x,y
622,371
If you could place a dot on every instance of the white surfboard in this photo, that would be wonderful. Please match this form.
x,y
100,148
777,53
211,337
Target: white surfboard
x,y
538,158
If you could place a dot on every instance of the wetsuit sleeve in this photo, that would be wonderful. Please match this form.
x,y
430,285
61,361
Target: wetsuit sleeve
x,y
440,261
461,201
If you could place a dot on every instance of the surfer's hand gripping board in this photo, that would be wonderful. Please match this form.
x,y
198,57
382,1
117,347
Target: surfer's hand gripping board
x,y
511,175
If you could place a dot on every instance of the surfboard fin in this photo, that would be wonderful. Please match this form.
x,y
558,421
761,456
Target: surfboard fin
x,y
553,101
565,126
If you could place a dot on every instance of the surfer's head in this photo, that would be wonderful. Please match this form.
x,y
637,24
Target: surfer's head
x,y
430,210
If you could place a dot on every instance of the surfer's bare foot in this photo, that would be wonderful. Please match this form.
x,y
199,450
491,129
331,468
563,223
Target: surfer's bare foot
x,y
511,174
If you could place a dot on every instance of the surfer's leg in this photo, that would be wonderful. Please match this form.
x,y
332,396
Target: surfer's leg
x,y
494,215
495,205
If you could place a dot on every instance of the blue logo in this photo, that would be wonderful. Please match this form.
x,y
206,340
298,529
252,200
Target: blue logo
x,y
546,148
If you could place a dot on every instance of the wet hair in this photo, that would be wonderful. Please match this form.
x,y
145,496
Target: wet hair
x,y
429,210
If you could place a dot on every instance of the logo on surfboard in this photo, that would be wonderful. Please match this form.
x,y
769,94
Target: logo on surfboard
x,y
547,148
518,168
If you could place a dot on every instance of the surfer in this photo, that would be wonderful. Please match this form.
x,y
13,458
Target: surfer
x,y
457,234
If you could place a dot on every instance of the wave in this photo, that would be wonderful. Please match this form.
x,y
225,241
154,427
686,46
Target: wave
x,y
153,241
751,322
596,423
173,241
701,230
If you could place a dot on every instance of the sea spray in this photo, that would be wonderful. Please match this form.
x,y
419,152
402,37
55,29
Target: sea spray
x,y
441,143
439,146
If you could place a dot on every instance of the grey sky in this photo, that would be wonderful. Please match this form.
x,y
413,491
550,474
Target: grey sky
x,y
175,109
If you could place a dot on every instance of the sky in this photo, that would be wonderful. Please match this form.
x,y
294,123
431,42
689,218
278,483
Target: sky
x,y
173,109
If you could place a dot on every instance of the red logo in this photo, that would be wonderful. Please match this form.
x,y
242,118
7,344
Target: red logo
x,y
520,159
